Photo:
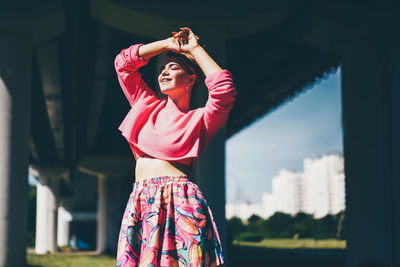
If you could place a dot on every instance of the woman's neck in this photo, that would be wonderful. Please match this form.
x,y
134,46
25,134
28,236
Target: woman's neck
x,y
182,103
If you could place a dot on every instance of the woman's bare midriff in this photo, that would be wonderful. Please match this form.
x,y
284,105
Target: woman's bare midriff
x,y
147,167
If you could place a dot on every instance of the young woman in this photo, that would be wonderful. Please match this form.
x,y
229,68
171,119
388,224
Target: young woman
x,y
167,221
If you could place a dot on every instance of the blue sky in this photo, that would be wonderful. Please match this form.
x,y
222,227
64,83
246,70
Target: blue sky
x,y
307,126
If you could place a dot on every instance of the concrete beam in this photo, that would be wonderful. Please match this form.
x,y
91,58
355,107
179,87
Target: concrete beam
x,y
43,21
15,83
238,23
45,172
49,66
107,165
132,21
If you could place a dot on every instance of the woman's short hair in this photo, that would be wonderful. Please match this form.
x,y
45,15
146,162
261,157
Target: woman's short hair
x,y
188,65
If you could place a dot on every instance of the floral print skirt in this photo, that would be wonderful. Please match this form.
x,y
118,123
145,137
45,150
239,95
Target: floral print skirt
x,y
167,222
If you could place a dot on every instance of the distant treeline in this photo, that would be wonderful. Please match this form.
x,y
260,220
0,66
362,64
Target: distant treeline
x,y
282,225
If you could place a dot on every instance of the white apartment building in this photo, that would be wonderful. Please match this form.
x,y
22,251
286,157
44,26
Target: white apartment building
x,y
324,185
244,210
319,190
287,191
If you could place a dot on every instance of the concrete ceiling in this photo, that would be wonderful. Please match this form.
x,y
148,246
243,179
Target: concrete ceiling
x,y
273,48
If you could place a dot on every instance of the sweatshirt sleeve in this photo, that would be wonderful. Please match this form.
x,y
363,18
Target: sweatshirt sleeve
x,y
127,64
221,97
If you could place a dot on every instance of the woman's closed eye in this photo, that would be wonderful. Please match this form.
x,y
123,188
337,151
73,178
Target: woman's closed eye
x,y
171,67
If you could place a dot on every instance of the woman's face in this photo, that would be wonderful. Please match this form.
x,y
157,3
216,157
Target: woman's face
x,y
173,78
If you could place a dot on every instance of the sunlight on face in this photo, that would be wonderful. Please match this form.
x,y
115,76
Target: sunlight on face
x,y
173,78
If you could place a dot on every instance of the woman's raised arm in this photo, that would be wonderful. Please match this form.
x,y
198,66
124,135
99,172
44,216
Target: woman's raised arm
x,y
150,50
183,42
203,59
190,47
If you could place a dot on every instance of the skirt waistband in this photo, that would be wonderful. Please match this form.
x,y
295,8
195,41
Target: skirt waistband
x,y
162,180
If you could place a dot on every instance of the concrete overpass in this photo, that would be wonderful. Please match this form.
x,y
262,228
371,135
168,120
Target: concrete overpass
x,y
60,103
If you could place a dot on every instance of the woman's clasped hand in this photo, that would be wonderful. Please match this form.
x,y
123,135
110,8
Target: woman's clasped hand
x,y
183,42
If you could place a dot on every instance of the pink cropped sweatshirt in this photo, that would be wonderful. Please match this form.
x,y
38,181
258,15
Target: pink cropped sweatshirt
x,y
156,127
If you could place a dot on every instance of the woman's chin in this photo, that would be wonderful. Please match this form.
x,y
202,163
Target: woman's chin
x,y
166,90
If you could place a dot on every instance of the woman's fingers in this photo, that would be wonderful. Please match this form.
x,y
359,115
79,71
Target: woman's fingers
x,y
184,34
185,29
178,36
185,38
174,33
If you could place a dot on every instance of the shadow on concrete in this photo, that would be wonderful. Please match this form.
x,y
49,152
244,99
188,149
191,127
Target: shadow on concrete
x,y
273,257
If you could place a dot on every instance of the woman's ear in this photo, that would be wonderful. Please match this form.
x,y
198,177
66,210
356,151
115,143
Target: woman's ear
x,y
192,79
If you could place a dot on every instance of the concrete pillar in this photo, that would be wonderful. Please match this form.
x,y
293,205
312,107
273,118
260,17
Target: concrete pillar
x,y
46,218
371,122
102,220
210,167
46,207
113,193
15,83
63,220
109,213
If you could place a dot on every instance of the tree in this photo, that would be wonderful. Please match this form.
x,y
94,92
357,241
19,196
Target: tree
x,y
254,223
254,219
302,224
326,227
278,225
340,217
235,226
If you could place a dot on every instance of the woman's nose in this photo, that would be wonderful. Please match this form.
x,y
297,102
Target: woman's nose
x,y
164,72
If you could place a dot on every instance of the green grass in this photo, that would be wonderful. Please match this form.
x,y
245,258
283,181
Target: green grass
x,y
296,243
66,260
277,252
